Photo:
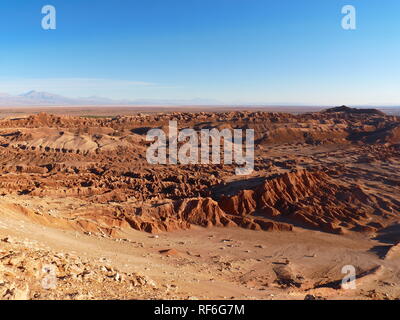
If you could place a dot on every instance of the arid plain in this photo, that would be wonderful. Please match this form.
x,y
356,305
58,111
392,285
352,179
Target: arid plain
x,y
79,197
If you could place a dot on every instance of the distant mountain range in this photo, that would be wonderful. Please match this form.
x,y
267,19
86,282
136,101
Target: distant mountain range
x,y
38,98
35,98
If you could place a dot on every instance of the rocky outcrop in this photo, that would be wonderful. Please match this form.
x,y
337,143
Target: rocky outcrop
x,y
349,110
311,199
180,214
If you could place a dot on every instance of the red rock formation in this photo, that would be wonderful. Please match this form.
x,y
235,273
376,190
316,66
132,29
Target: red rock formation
x,y
311,199
101,162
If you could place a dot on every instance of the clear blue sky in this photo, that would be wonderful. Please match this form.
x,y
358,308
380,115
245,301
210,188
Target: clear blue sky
x,y
253,51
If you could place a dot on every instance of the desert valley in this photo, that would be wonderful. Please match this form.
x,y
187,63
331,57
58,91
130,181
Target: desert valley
x,y
83,215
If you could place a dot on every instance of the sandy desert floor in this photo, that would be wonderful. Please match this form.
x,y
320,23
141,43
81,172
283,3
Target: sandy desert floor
x,y
81,209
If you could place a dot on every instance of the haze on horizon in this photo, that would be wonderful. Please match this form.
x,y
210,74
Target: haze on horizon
x,y
232,52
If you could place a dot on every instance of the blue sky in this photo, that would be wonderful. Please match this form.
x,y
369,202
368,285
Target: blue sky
x,y
234,51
